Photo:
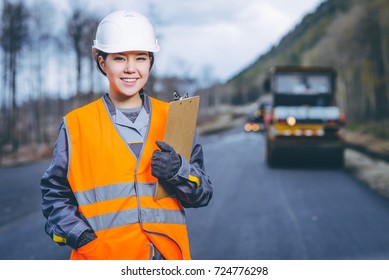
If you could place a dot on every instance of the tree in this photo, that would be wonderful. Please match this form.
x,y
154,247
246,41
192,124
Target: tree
x,y
14,35
91,23
41,22
379,12
81,28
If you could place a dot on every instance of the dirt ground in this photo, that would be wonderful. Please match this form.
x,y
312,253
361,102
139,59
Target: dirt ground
x,y
373,172
26,154
368,159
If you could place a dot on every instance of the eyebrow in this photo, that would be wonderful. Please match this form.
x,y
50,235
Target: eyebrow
x,y
139,53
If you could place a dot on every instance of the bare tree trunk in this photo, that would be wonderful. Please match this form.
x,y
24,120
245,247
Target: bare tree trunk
x,y
385,57
14,137
368,83
5,105
382,8
40,108
78,73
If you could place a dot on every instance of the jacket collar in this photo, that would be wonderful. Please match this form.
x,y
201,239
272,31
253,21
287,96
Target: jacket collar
x,y
112,109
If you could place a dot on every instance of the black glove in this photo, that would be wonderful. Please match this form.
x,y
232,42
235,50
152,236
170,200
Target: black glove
x,y
165,163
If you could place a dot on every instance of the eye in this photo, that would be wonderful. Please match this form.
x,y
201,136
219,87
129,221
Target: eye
x,y
118,58
141,58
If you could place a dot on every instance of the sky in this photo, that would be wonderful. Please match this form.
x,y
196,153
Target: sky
x,y
213,39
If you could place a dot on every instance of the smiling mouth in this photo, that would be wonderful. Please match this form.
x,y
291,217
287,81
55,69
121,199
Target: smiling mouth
x,y
129,81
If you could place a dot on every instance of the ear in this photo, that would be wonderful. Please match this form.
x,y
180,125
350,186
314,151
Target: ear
x,y
101,63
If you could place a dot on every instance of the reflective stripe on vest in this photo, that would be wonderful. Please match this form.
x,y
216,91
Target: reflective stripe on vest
x,y
101,195
115,191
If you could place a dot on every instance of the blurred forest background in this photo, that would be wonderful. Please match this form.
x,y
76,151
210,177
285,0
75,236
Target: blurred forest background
x,y
47,69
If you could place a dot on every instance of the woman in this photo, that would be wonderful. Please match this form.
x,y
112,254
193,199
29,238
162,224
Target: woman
x,y
98,193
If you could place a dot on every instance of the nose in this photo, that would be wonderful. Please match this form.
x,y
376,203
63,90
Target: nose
x,y
130,66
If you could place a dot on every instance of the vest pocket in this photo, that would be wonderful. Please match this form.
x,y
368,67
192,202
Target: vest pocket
x,y
91,251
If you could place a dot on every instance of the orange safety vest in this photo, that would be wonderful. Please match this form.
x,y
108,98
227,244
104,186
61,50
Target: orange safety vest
x,y
115,191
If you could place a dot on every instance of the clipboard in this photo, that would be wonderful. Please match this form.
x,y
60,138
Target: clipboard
x,y
179,132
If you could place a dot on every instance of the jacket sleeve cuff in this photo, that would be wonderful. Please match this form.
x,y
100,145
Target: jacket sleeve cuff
x,y
183,172
75,233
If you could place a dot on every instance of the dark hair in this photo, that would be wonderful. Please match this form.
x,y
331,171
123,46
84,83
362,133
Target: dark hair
x,y
104,56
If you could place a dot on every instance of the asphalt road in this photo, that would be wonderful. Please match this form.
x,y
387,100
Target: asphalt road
x,y
291,212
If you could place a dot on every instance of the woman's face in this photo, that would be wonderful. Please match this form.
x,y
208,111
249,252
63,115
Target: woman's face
x,y
127,74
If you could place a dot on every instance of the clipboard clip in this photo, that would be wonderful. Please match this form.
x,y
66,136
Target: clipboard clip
x,y
177,96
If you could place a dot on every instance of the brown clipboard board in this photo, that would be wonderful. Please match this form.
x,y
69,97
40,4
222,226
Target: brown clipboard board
x,y
180,130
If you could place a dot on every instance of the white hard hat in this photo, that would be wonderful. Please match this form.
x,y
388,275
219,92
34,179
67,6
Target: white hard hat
x,y
123,31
